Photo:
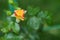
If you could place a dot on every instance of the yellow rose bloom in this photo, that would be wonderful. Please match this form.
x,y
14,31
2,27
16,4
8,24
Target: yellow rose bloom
x,y
19,14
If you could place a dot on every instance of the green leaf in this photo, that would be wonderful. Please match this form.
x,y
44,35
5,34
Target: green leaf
x,y
13,19
11,1
10,26
16,28
9,36
4,30
41,14
34,23
8,13
54,27
33,11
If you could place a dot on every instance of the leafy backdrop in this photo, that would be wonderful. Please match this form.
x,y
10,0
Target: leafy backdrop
x,y
41,20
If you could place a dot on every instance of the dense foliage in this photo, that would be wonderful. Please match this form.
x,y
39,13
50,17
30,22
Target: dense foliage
x,y
41,20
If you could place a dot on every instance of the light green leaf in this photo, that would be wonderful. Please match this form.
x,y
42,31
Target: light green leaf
x,y
34,23
9,36
8,13
4,30
11,1
16,28
41,14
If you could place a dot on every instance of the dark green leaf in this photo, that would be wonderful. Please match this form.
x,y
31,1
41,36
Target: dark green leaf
x,y
32,11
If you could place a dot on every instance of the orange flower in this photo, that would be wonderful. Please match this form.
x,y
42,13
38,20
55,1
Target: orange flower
x,y
19,14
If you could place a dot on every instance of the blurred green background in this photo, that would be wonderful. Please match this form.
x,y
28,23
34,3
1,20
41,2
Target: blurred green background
x,y
47,30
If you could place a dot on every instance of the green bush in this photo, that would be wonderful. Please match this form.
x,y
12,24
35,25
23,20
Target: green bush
x,y
37,24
